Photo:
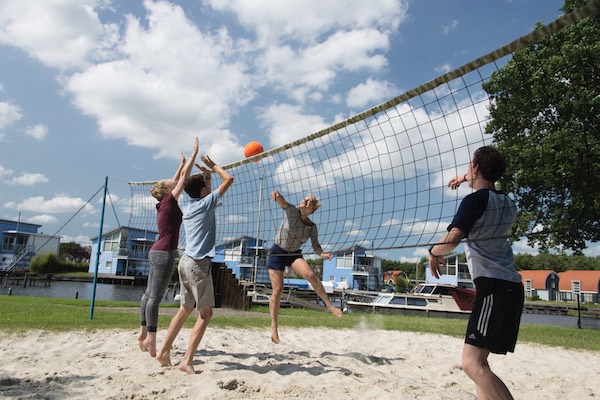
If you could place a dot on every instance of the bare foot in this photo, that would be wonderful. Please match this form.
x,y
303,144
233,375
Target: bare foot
x,y
141,339
335,311
187,368
164,360
275,337
149,346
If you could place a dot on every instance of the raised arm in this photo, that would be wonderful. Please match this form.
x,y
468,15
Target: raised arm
x,y
456,181
279,199
185,170
227,180
181,164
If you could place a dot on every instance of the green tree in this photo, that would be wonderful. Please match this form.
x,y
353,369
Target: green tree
x,y
72,251
545,118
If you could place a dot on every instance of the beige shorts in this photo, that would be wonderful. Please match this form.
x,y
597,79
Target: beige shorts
x,y
196,283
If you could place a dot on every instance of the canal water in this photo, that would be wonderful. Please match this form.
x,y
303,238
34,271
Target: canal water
x,y
105,291
83,290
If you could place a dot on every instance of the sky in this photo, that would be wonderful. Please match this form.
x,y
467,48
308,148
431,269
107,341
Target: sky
x,y
95,89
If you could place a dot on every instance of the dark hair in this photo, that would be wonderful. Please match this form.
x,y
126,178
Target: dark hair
x,y
193,185
491,163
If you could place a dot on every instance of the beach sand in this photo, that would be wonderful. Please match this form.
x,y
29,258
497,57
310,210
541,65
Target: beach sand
x,y
362,363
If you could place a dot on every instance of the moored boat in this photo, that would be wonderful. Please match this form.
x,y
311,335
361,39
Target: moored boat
x,y
430,299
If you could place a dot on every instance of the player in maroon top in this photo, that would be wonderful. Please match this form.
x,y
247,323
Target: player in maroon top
x,y
163,252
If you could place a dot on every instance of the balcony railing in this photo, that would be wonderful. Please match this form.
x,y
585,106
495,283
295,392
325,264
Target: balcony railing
x,y
367,269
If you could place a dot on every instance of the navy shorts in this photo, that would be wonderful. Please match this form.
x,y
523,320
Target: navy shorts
x,y
279,258
495,319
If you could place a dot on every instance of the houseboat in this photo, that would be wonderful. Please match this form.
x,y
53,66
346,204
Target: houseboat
x,y
429,299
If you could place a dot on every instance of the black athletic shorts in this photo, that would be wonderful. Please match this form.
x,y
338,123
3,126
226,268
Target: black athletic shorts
x,y
279,258
495,319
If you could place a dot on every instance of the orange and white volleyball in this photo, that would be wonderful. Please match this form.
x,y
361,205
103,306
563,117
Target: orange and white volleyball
x,y
252,149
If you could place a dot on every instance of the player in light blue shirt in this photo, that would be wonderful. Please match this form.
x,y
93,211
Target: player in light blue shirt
x,y
195,277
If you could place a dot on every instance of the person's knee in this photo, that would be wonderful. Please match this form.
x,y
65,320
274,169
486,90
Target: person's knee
x,y
206,313
276,290
186,310
473,366
467,366
309,275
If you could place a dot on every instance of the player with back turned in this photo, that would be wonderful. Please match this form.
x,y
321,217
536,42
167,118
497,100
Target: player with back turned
x,y
485,218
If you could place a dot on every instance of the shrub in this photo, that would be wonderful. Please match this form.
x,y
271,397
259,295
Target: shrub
x,y
401,284
45,264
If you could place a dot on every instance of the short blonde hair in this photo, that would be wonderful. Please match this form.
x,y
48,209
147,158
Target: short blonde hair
x,y
161,189
316,202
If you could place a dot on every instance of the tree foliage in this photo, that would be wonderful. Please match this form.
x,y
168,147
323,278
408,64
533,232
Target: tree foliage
x,y
545,118
45,264
556,262
74,252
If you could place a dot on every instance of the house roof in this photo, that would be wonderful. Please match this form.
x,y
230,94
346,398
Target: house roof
x,y
590,280
124,228
538,277
260,241
351,249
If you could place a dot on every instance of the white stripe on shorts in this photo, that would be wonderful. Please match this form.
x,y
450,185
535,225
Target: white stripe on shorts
x,y
484,316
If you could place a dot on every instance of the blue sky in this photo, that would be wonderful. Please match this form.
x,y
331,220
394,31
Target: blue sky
x,y
90,89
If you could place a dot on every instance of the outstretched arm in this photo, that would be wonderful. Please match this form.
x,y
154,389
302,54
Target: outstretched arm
x,y
227,180
181,164
444,246
456,181
279,199
185,171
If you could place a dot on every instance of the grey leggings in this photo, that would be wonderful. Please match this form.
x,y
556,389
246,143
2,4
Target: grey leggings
x,y
161,270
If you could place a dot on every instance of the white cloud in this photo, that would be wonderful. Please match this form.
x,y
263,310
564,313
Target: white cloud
x,y
287,123
60,33
309,20
4,171
442,69
356,232
28,179
296,175
9,114
42,219
370,93
165,79
37,132
55,205
450,27
168,83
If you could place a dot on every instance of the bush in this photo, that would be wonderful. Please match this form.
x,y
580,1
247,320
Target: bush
x,y
45,264
401,284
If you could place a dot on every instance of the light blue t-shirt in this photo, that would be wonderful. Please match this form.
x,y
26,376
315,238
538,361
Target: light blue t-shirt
x,y
199,223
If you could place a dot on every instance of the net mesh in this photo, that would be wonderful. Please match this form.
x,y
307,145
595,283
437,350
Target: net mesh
x,y
381,175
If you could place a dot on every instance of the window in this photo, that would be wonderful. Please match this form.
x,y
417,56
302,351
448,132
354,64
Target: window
x,y
111,242
344,261
109,265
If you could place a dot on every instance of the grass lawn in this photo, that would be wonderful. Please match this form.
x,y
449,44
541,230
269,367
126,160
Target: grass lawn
x,y
23,313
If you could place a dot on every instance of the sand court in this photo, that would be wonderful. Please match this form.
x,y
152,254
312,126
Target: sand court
x,y
310,363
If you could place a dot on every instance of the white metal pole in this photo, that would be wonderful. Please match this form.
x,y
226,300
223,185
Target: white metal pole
x,y
255,269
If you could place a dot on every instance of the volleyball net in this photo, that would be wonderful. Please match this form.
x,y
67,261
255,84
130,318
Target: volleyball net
x,y
381,175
